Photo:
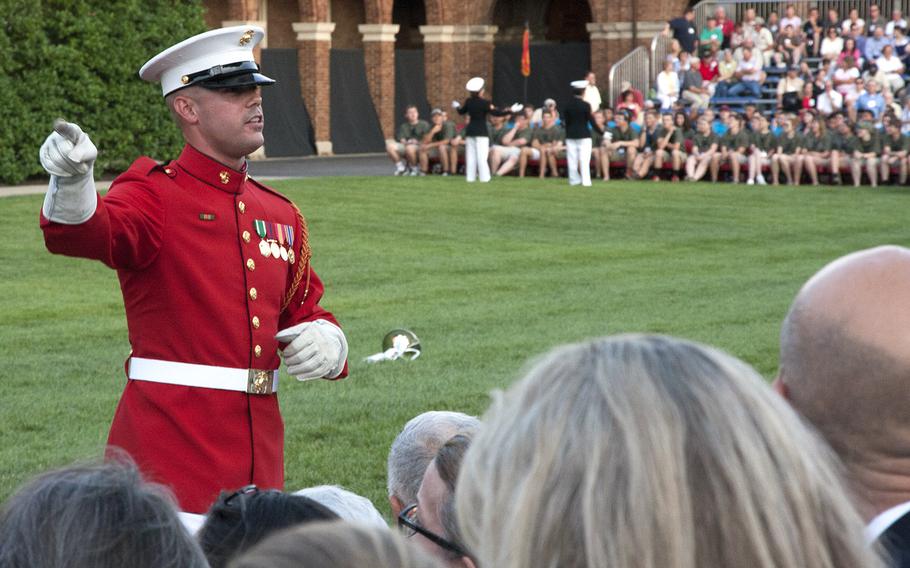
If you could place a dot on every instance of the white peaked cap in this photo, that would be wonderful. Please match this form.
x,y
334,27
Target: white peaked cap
x,y
474,85
580,84
216,58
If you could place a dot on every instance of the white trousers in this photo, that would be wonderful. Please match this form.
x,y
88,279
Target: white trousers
x,y
476,152
578,156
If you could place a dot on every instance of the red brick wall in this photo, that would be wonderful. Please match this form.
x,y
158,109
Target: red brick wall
x,y
379,58
313,63
347,15
281,14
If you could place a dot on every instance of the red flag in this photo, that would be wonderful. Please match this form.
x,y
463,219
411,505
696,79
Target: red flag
x,y
526,52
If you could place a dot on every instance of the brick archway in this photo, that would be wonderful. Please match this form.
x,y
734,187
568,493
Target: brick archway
x,y
482,12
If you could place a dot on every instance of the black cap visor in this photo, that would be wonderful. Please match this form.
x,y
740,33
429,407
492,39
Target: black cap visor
x,y
230,76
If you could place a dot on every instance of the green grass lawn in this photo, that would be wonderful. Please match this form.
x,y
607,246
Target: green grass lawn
x,y
487,275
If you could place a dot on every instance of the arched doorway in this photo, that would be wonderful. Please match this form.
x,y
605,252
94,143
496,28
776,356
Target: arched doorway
x,y
410,69
559,47
355,124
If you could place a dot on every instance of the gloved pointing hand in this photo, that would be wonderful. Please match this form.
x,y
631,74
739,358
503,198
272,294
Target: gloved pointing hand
x,y
68,155
68,151
315,350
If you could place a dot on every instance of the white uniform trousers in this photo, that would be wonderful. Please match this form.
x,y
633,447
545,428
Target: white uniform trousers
x,y
476,152
578,156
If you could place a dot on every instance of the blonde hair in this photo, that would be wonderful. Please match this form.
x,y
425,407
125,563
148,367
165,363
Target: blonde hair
x,y
650,451
337,544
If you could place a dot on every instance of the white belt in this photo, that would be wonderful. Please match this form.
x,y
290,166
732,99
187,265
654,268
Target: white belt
x,y
252,381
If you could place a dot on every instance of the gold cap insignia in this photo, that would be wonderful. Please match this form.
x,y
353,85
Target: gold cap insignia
x,y
246,38
185,79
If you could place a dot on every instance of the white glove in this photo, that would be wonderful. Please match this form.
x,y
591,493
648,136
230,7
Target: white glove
x,y
68,155
516,107
456,104
315,350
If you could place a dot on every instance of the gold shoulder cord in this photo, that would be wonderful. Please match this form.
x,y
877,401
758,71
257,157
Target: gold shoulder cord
x,y
303,266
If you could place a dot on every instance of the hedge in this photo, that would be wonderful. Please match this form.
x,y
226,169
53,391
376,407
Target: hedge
x,y
79,59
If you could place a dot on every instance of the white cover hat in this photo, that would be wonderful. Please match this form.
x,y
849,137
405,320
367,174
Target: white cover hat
x,y
474,85
213,59
580,84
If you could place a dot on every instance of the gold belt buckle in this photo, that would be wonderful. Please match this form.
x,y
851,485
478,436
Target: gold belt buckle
x,y
260,382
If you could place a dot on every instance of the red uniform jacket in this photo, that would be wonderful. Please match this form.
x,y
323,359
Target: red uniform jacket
x,y
197,289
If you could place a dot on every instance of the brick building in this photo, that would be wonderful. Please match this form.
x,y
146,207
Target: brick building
x,y
457,39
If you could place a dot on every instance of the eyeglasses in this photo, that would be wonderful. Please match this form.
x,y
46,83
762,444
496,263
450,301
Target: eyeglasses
x,y
240,492
407,521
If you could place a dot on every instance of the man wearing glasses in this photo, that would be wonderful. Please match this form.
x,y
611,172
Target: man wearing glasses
x,y
431,520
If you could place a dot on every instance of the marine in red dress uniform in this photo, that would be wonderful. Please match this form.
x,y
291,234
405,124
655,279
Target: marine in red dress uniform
x,y
212,264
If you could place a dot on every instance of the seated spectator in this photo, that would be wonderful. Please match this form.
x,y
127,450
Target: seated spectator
x,y
94,516
498,128
597,144
900,41
620,145
630,105
737,38
812,31
789,91
853,20
875,44
719,123
349,506
897,22
876,21
647,147
845,77
865,152
841,148
568,470
671,146
704,147
791,19
592,93
683,30
892,67
456,142
833,19
734,146
773,23
682,64
761,147
404,151
808,100
726,25
711,38
335,544
726,77
667,86
415,447
505,156
240,519
830,101
435,143
816,152
784,158
850,50
790,46
749,76
537,117
431,521
858,35
895,147
763,41
692,85
844,367
832,45
547,142
871,100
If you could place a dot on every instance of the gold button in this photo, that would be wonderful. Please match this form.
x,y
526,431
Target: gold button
x,y
168,171
250,264
245,236
185,79
255,322
257,350
225,177
241,206
252,293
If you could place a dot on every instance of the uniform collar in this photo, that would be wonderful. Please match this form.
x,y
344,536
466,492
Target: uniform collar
x,y
210,171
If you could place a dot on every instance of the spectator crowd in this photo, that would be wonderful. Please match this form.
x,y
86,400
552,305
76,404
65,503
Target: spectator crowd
x,y
799,98
630,450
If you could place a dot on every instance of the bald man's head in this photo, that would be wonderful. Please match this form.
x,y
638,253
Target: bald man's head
x,y
845,354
